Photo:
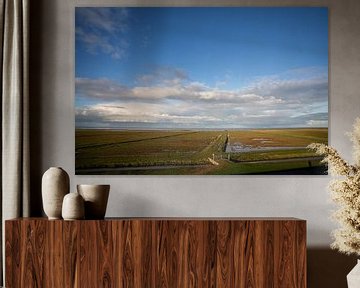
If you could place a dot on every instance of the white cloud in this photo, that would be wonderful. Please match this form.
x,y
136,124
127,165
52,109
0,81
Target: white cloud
x,y
113,115
101,89
171,99
155,92
303,89
162,75
317,123
102,30
103,19
107,90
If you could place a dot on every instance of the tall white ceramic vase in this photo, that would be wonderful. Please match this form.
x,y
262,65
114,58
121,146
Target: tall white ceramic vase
x,y
55,185
353,278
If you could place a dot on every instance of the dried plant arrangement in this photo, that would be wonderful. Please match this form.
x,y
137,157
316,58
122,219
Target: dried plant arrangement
x,y
345,192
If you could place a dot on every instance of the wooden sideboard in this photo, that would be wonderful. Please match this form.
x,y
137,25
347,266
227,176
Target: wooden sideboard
x,y
156,252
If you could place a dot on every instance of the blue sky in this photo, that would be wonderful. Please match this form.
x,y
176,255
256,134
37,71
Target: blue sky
x,y
201,67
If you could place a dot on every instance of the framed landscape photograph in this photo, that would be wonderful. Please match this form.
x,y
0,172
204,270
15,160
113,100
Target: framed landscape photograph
x,y
200,90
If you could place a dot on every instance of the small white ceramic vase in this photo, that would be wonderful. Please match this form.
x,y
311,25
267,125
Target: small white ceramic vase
x,y
73,207
96,198
353,278
55,185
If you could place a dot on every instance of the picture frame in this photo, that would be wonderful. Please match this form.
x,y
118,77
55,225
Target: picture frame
x,y
253,110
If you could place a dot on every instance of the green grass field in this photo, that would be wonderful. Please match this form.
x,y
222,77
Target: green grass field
x,y
187,152
280,137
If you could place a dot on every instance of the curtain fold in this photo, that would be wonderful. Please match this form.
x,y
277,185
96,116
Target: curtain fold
x,y
15,111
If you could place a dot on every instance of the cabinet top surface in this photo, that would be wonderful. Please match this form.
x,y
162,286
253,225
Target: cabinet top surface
x,y
175,219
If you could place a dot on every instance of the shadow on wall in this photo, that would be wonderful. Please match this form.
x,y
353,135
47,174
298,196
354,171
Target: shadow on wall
x,y
36,129
328,268
139,207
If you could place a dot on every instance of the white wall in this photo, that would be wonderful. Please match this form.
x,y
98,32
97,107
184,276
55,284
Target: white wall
x,y
298,196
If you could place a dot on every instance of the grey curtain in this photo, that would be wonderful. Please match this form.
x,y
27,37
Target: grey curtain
x,y
15,172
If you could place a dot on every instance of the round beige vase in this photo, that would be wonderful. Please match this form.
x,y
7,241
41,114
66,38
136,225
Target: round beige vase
x,y
73,207
96,198
55,185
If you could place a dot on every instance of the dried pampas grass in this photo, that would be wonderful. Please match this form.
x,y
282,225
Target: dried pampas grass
x,y
345,191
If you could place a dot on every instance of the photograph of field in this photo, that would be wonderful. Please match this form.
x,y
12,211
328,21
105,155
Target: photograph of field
x,y
197,152
200,90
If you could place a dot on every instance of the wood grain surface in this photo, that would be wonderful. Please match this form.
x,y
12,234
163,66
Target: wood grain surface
x,y
161,252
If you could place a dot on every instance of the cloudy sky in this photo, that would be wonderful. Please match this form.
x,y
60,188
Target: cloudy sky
x,y
229,68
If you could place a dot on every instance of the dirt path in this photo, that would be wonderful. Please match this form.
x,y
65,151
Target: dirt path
x,y
316,158
102,170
